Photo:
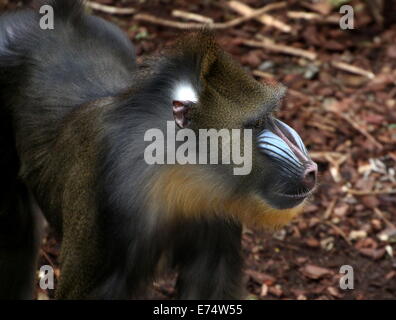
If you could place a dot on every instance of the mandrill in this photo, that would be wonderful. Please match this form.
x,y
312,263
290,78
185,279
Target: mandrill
x,y
74,112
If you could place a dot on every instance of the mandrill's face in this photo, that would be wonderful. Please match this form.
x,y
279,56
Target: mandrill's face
x,y
214,92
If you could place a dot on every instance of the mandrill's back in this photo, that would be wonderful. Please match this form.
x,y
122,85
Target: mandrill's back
x,y
47,79
82,59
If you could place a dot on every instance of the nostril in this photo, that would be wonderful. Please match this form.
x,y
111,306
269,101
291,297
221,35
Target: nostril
x,y
309,177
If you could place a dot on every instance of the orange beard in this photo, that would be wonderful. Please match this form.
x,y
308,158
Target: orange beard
x,y
185,192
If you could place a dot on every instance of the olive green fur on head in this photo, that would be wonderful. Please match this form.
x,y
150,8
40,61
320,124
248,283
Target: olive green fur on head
x,y
228,94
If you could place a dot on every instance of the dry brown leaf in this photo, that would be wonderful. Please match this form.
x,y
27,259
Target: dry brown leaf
x,y
315,272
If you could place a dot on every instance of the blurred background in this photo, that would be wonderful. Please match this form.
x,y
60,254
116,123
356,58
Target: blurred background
x,y
341,75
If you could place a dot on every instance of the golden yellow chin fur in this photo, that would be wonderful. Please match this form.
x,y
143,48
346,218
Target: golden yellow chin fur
x,y
188,191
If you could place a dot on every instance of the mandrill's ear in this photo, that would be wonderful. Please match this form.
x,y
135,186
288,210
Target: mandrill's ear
x,y
184,100
194,56
182,112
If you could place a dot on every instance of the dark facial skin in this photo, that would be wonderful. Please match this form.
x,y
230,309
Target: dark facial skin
x,y
296,171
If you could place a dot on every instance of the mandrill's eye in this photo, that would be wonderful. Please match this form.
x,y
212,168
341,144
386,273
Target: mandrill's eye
x,y
258,124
